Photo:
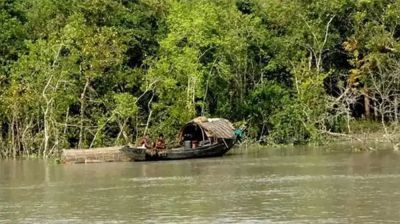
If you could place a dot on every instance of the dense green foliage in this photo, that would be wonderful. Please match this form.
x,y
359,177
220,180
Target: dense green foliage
x,y
103,72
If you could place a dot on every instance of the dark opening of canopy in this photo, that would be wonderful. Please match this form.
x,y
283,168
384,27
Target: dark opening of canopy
x,y
193,132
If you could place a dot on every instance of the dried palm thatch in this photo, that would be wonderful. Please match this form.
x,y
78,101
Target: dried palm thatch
x,y
212,127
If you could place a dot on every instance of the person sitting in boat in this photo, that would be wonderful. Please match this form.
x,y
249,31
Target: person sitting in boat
x,y
159,144
145,142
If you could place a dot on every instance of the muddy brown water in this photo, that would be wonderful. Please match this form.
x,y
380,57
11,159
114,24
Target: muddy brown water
x,y
254,185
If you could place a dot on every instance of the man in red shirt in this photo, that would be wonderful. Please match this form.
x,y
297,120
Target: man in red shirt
x,y
160,143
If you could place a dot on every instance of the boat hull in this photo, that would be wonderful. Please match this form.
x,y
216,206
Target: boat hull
x,y
215,150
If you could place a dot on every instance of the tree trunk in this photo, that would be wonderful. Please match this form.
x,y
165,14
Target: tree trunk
x,y
367,111
45,116
82,114
147,123
150,113
396,113
13,144
375,108
46,131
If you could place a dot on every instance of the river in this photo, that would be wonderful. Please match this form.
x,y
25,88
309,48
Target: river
x,y
248,186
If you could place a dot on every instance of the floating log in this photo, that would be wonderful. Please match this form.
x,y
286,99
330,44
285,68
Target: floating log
x,y
95,155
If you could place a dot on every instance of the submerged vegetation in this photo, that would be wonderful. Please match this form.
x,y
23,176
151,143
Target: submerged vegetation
x,y
81,74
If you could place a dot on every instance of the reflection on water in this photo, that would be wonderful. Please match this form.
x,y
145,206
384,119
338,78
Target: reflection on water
x,y
255,185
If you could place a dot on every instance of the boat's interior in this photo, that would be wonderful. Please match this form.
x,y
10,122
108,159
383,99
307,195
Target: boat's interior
x,y
193,136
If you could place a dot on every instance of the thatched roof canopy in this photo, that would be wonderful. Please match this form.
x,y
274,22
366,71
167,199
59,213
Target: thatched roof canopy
x,y
212,127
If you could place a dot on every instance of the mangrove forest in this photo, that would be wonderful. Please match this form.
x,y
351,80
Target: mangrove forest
x,y
91,73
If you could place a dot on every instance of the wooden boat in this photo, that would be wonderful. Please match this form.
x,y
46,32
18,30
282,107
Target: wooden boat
x,y
199,138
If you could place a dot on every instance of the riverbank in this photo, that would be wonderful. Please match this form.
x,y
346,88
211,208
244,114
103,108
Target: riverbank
x,y
365,137
367,140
